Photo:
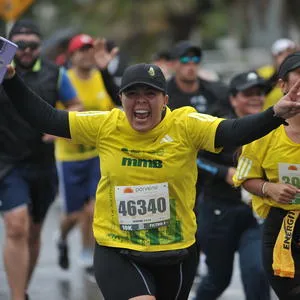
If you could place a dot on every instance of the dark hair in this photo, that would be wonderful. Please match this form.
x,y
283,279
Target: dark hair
x,y
163,54
285,78
233,92
24,26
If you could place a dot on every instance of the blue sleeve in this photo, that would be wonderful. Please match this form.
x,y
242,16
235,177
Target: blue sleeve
x,y
213,168
66,91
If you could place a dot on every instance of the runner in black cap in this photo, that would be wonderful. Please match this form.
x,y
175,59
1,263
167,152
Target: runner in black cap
x,y
226,224
144,221
186,87
291,63
269,169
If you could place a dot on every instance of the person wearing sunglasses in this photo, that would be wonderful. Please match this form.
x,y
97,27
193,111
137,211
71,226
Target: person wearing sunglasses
x,y
144,222
28,179
226,223
269,170
186,87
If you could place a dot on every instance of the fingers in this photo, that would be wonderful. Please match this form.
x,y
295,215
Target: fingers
x,y
288,194
294,92
114,52
100,44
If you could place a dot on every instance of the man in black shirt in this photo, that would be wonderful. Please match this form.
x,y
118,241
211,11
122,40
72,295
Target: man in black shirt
x,y
28,182
187,88
226,224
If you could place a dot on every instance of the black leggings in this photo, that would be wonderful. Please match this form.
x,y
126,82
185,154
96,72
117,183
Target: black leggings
x,y
285,288
121,279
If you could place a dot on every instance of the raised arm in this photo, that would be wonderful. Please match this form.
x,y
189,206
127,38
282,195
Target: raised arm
x,y
37,112
237,132
103,57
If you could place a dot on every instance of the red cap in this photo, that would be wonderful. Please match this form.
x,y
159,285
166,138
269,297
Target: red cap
x,y
79,41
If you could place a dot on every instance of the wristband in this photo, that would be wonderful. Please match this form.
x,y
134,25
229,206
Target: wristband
x,y
263,188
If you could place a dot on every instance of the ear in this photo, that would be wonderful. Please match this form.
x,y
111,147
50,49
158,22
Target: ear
x,y
283,85
166,99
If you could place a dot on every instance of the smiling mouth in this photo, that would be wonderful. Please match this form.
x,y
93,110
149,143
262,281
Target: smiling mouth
x,y
141,114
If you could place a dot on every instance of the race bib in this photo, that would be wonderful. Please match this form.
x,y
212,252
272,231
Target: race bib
x,y
290,173
143,206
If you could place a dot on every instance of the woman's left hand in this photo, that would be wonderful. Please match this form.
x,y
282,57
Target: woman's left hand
x,y
281,192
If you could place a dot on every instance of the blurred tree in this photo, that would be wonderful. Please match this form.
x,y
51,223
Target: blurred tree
x,y
142,27
292,11
261,22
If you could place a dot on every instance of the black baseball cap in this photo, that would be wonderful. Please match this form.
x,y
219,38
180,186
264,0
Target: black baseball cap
x,y
148,74
244,81
183,47
24,26
290,63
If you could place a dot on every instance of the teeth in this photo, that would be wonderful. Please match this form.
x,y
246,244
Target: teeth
x,y
141,111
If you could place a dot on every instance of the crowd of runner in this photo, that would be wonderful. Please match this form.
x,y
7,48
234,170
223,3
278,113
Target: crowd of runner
x,y
157,167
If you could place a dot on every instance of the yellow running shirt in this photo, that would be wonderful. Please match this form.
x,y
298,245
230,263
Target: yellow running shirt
x,y
146,194
93,96
274,157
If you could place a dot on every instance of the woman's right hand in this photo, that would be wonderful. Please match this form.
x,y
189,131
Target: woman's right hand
x,y
281,192
10,73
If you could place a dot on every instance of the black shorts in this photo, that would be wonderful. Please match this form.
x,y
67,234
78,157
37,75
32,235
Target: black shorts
x,y
285,288
120,278
30,185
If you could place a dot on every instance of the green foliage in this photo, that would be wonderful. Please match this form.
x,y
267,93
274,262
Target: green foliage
x,y
142,27
213,26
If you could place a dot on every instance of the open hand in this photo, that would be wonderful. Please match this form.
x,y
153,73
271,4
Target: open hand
x,y
289,105
102,56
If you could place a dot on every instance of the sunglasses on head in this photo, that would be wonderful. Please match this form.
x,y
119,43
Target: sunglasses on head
x,y
188,59
23,45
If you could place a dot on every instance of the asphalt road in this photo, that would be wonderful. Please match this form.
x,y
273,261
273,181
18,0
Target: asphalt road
x,y
50,282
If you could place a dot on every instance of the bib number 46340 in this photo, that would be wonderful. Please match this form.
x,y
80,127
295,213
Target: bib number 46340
x,y
143,206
